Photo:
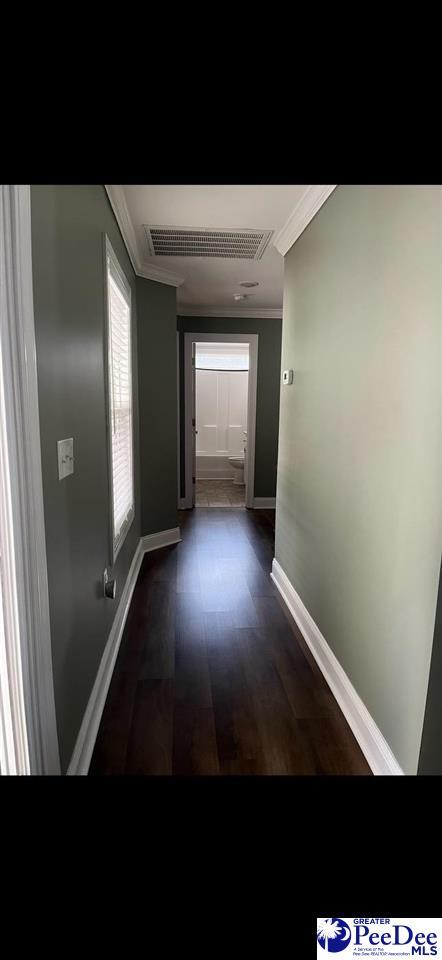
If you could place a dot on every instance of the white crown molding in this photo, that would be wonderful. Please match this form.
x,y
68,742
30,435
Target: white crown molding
x,y
375,748
142,267
152,272
241,312
312,199
122,216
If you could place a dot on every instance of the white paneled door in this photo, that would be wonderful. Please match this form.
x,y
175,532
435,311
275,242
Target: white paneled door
x,y
221,412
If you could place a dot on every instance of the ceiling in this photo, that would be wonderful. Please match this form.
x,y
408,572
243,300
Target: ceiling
x,y
207,283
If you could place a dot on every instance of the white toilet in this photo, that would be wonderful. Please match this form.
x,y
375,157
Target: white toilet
x,y
238,469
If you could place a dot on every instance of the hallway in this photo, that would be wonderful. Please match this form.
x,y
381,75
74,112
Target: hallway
x,y
220,511
211,677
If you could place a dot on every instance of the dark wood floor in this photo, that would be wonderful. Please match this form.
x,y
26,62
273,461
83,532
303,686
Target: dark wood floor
x,y
212,676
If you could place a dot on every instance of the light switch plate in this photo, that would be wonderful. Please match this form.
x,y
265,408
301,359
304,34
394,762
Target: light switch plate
x,y
65,450
287,376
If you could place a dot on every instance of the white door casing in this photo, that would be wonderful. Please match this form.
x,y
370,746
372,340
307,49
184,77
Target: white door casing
x,y
249,473
20,389
193,434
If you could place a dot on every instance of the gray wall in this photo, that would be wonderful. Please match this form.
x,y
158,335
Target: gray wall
x,y
67,248
430,760
358,520
157,366
267,405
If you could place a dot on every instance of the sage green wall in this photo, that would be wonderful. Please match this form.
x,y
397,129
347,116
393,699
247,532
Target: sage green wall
x,y
68,270
430,760
267,402
358,519
157,366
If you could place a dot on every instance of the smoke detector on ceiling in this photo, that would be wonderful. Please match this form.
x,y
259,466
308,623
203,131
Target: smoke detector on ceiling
x,y
234,244
249,283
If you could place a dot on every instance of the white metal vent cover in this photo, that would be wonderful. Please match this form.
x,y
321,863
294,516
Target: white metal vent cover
x,y
233,244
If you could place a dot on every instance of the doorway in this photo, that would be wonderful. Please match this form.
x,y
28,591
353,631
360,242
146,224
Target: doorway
x,y
220,373
221,394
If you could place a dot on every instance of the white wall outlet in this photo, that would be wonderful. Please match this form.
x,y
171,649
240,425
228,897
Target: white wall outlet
x,y
287,376
65,450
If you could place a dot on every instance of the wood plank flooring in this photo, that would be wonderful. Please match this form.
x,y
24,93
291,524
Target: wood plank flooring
x,y
212,677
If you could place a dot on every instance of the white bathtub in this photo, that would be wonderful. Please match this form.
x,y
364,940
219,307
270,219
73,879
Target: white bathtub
x,y
213,468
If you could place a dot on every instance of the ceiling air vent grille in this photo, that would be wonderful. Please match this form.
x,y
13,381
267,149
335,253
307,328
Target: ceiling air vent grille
x,y
190,242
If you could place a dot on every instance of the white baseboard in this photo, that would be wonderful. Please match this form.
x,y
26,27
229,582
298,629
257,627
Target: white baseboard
x,y
87,736
375,748
262,503
162,539
84,746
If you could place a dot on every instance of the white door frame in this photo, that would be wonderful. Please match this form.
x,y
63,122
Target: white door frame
x,y
182,503
252,340
19,366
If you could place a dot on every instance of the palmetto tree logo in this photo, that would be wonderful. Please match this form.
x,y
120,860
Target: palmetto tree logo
x,y
333,934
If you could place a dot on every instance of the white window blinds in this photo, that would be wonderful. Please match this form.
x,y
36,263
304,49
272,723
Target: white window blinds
x,y
120,399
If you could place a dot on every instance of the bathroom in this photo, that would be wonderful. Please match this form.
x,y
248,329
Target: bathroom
x,y
221,404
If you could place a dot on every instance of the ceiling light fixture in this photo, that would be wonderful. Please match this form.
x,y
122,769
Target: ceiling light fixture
x,y
240,296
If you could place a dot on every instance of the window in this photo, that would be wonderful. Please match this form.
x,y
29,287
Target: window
x,y
221,356
119,359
